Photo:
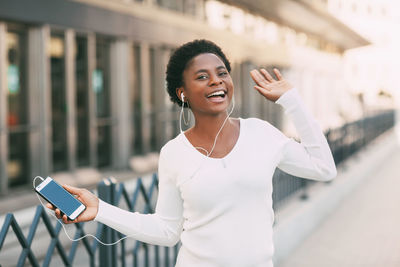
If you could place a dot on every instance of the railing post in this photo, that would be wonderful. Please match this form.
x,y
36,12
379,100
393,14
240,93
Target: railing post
x,y
107,254
304,193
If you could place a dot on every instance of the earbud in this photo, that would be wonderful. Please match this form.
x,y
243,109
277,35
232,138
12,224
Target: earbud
x,y
182,97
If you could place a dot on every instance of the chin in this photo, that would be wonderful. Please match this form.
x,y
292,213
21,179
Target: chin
x,y
221,109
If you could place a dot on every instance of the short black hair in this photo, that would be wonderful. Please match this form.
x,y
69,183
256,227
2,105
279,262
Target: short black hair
x,y
180,59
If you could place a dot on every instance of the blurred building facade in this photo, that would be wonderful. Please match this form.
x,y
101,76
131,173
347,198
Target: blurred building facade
x,y
372,71
82,83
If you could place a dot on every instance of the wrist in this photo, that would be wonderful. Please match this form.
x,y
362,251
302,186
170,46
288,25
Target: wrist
x,y
289,98
96,208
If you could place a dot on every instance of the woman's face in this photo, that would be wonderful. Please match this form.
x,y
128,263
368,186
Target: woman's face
x,y
207,85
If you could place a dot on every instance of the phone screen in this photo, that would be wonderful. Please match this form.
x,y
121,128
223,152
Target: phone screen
x,y
59,197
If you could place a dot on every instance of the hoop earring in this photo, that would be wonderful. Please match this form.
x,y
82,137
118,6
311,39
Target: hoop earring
x,y
186,122
182,115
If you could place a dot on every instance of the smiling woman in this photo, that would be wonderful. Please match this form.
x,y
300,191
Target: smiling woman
x,y
215,179
206,81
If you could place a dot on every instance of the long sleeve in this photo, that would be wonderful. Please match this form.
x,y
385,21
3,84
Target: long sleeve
x,y
161,228
312,158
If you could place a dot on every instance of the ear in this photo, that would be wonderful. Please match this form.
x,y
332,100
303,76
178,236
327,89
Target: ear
x,y
179,91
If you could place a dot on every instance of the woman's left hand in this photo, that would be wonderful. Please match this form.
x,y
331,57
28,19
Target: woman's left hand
x,y
270,88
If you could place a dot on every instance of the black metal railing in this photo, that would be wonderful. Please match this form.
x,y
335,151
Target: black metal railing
x,y
351,137
344,141
28,255
142,199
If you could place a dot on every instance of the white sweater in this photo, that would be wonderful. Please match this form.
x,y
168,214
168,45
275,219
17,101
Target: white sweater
x,y
221,209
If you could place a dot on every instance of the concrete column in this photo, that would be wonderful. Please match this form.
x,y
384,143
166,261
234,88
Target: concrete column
x,y
150,2
250,106
3,110
237,81
200,10
70,91
39,101
145,77
171,116
244,85
121,57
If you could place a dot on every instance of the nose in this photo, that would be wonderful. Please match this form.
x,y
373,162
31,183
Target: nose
x,y
215,80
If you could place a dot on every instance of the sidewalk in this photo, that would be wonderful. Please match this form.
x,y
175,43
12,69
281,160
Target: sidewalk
x,y
364,230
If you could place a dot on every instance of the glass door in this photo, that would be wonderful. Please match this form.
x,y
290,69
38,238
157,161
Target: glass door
x,y
58,102
82,101
136,103
153,109
17,113
101,87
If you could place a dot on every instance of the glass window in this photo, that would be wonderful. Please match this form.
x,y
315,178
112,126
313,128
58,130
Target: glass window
x,y
82,101
176,5
101,87
58,102
17,113
137,103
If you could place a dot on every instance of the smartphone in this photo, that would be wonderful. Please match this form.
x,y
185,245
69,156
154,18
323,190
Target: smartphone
x,y
60,198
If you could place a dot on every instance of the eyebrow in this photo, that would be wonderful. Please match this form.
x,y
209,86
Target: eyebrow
x,y
204,70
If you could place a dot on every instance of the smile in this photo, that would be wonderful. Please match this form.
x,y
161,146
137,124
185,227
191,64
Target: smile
x,y
217,94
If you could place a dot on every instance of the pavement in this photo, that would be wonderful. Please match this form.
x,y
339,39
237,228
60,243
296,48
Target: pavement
x,y
364,228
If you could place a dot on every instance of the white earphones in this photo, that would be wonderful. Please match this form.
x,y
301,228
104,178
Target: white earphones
x,y
219,131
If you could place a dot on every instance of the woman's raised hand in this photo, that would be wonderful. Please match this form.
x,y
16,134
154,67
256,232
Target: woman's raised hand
x,y
266,85
87,198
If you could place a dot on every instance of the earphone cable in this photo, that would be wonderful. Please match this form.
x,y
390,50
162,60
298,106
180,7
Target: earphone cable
x,y
219,131
111,244
62,224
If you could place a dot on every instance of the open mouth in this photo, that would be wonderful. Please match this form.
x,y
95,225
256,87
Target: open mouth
x,y
217,94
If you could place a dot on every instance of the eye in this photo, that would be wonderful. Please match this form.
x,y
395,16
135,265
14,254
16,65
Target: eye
x,y
223,73
201,77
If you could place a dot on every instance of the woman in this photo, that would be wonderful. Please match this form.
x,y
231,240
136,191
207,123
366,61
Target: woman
x,y
215,179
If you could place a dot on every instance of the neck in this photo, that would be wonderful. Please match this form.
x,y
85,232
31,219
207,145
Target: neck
x,y
207,127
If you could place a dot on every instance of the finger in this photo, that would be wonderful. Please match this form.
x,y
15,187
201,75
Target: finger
x,y
73,190
255,76
278,74
68,221
258,78
58,213
49,206
267,76
65,219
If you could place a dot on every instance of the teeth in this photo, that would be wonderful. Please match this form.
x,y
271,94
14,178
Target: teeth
x,y
217,93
